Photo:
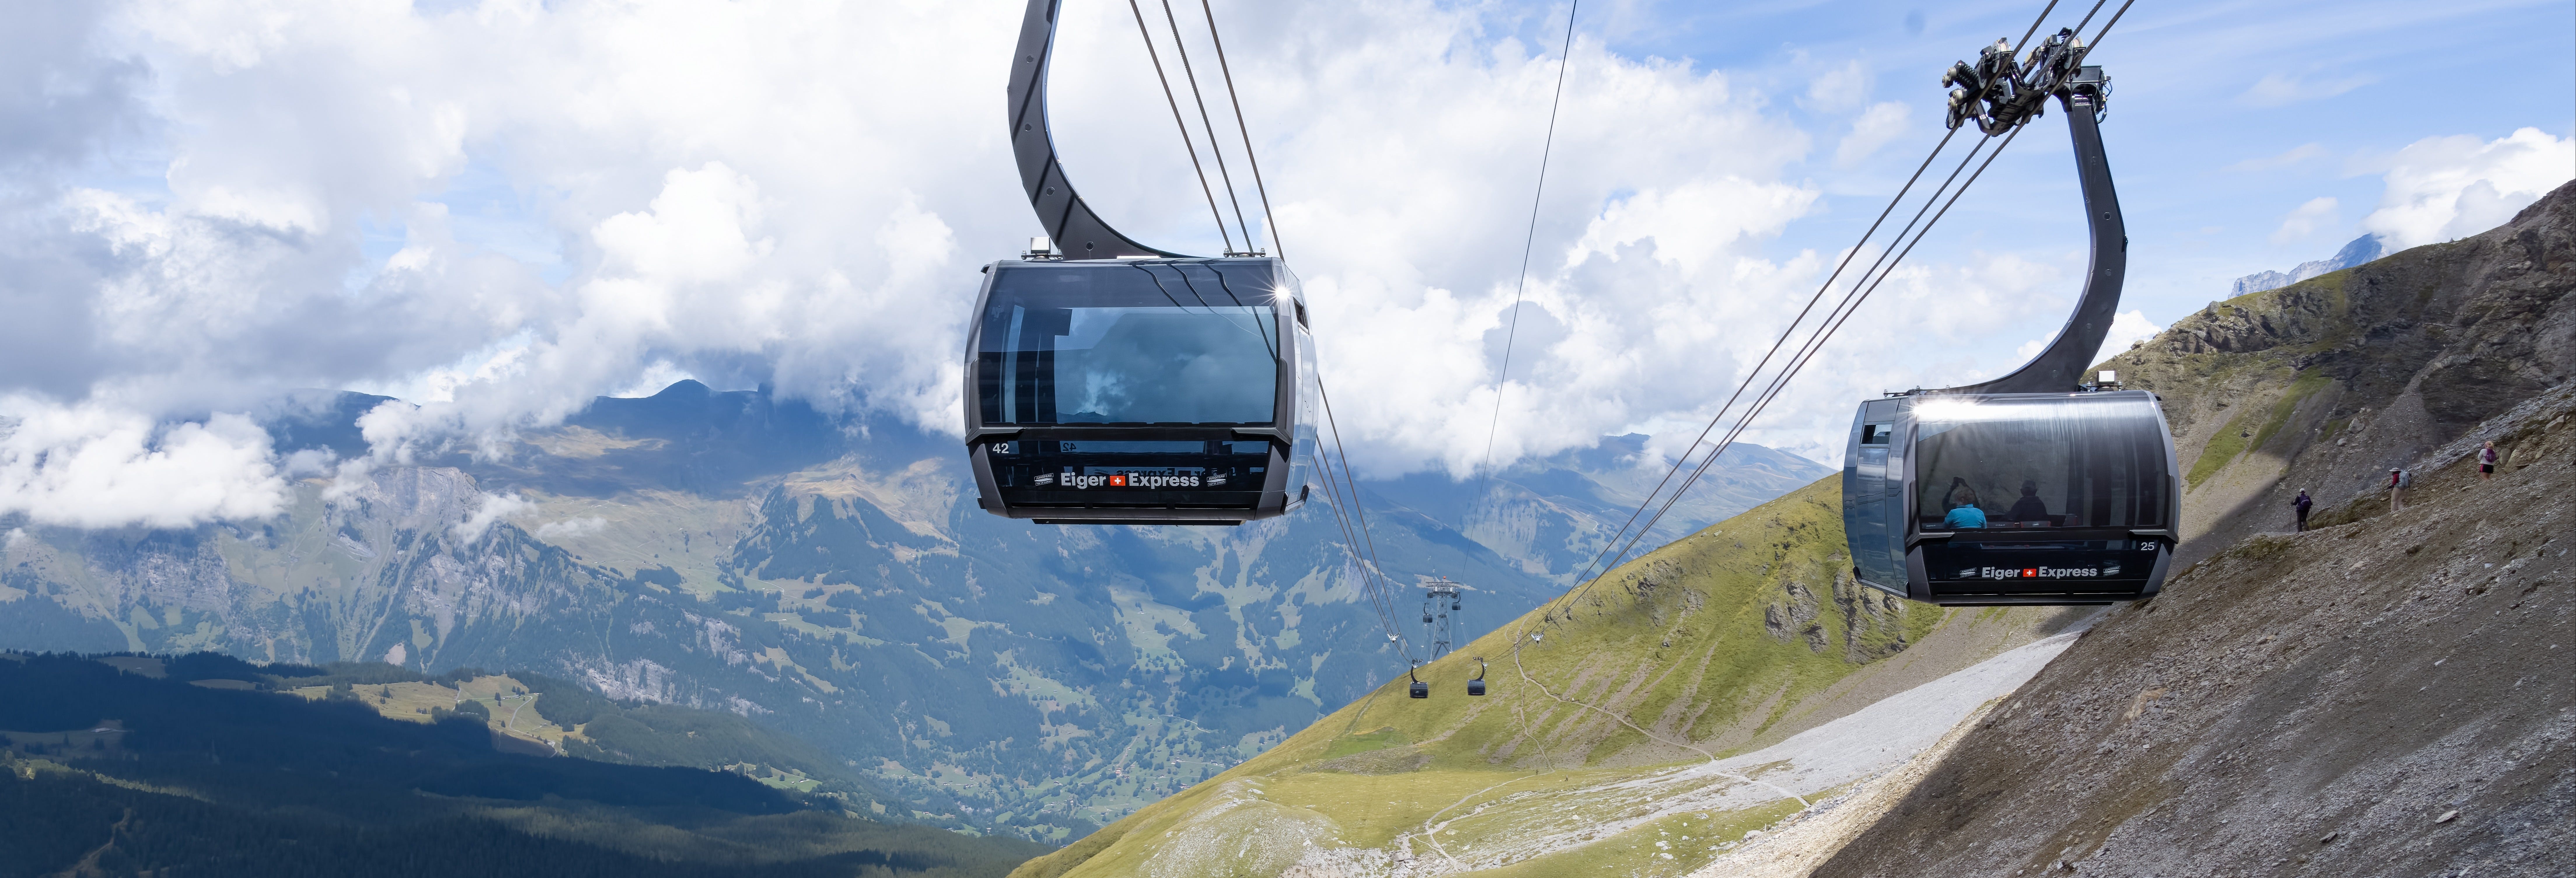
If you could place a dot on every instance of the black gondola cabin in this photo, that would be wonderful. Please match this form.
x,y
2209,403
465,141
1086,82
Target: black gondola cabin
x,y
1141,391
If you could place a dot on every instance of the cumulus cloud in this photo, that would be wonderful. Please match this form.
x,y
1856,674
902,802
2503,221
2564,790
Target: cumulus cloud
x,y
798,193
2305,220
2129,328
491,510
2440,188
571,527
94,466
1876,126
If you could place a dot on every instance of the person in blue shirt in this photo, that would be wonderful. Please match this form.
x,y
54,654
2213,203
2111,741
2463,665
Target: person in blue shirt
x,y
1963,507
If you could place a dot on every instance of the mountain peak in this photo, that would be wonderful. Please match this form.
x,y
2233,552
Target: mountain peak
x,y
684,389
2362,250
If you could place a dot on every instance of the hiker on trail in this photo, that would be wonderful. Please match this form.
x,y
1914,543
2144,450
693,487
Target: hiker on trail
x,y
2302,505
2397,479
2486,462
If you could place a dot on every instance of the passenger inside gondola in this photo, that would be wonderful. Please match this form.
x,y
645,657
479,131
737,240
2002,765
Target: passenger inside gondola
x,y
2030,510
1963,507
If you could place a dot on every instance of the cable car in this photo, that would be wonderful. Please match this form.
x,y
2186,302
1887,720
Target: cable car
x,y
1113,383
2037,487
1476,686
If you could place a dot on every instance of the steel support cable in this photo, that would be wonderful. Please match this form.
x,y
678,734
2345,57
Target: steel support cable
x,y
1364,548
1377,599
1564,55
1854,302
1358,508
1808,351
1382,603
1191,76
1351,544
2043,18
1815,343
1678,462
2106,28
1148,34
1270,223
1372,580
1683,459
1797,361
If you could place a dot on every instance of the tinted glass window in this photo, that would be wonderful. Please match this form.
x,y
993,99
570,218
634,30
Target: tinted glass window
x,y
1135,342
2073,461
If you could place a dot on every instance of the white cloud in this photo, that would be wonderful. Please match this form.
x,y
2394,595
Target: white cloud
x,y
798,193
92,466
2440,188
658,375
1839,88
492,509
570,528
1875,127
2305,220
2129,328
2276,89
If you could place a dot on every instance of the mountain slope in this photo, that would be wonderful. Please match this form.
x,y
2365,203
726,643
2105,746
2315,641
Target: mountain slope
x,y
826,578
2392,696
2388,693
1596,741
2327,383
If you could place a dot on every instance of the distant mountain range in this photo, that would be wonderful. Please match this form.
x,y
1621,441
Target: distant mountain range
x,y
834,580
2361,251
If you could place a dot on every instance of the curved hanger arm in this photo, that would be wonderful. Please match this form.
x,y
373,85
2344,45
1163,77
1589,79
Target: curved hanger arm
x,y
2060,368
1077,232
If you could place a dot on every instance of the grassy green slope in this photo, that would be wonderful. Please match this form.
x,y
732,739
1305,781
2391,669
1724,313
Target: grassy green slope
x,y
1727,640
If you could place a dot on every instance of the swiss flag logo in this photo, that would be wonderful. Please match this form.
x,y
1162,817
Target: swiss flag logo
x,y
1118,481
2026,572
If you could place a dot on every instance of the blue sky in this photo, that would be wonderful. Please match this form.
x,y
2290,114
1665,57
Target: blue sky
x,y
2225,117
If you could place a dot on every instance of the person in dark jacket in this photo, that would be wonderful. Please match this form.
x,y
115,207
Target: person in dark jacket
x,y
2302,505
2030,507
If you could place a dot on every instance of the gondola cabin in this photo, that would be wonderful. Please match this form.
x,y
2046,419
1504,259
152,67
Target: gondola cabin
x,y
2014,498
1141,391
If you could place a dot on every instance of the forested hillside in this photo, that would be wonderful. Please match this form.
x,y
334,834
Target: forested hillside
x,y
126,765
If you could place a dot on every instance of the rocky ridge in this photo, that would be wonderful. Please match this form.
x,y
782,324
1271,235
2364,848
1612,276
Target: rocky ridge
x,y
2327,383
2394,695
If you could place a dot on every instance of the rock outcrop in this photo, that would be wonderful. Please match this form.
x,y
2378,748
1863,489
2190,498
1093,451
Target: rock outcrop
x,y
2391,696
2327,383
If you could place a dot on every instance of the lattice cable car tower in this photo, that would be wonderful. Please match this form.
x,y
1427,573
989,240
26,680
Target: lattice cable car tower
x,y
1440,623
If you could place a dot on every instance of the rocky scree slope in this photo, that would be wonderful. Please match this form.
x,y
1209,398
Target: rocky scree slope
x,y
1724,643
2327,383
2391,695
